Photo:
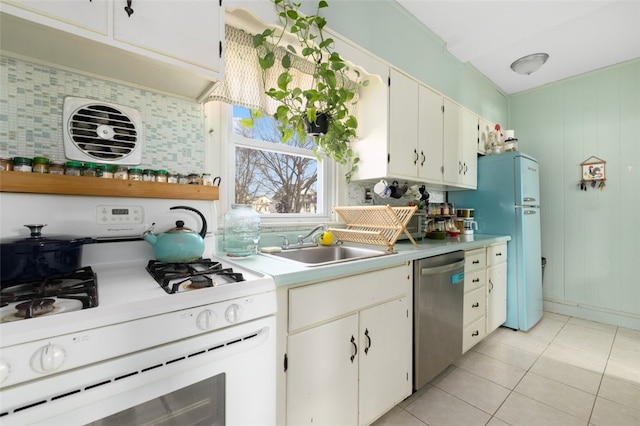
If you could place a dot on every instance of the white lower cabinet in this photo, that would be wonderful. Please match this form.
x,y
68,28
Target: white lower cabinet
x,y
474,308
349,348
496,286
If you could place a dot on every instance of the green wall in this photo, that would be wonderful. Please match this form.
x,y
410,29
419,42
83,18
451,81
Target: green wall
x,y
590,239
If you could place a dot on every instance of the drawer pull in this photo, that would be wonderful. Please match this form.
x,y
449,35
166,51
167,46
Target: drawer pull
x,y
476,280
475,305
499,254
355,348
475,262
475,333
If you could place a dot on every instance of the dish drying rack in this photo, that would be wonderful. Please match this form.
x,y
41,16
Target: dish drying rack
x,y
380,225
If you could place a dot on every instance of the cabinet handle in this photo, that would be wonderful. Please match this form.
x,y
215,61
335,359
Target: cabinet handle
x,y
490,286
465,168
475,333
424,158
475,280
415,160
475,305
459,167
499,254
475,262
128,9
355,348
366,334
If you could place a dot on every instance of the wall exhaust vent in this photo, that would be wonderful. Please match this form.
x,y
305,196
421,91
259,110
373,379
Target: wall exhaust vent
x,y
101,132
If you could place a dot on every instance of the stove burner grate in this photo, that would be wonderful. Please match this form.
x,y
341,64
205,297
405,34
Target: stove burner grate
x,y
196,272
32,296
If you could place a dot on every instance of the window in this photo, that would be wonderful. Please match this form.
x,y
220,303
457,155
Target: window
x,y
279,180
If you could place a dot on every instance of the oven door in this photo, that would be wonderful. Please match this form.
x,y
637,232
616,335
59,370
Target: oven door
x,y
225,377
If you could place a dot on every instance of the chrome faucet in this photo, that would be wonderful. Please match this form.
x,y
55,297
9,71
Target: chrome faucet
x,y
314,234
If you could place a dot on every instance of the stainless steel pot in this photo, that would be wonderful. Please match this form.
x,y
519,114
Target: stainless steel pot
x,y
37,257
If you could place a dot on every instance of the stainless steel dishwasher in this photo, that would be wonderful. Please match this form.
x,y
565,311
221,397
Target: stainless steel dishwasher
x,y
438,292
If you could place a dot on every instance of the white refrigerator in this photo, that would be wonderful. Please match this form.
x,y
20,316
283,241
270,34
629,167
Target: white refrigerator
x,y
507,202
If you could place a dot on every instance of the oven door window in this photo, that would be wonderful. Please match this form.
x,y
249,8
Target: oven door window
x,y
199,404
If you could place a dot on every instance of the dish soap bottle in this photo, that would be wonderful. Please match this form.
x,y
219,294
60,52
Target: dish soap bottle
x,y
241,231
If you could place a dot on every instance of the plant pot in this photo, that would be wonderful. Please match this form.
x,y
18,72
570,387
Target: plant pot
x,y
318,127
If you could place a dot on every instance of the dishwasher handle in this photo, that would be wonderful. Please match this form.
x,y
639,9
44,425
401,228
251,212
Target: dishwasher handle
x,y
441,269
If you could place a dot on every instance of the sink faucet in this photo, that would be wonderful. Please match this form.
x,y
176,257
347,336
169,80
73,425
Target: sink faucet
x,y
314,234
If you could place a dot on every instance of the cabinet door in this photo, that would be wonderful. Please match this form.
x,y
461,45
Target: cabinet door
x,y
385,357
469,150
496,296
430,128
90,15
403,126
322,374
452,146
189,30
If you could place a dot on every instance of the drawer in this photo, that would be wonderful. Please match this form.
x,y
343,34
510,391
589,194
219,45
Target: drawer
x,y
475,260
315,303
474,279
474,305
496,254
472,334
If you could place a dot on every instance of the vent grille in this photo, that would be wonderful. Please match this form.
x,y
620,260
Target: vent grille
x,y
100,132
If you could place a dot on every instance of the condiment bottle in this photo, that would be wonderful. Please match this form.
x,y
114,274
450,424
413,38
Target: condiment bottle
x,y
56,168
207,179
22,164
148,175
121,173
40,165
172,178
105,171
90,170
195,179
73,168
161,176
135,174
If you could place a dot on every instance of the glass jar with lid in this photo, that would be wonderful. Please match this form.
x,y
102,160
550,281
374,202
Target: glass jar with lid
x,y
195,179
105,171
121,172
183,179
148,175
241,231
56,168
161,175
6,163
22,164
90,170
207,179
73,168
40,165
135,174
172,178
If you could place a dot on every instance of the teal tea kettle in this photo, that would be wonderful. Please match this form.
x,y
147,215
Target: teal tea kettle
x,y
179,244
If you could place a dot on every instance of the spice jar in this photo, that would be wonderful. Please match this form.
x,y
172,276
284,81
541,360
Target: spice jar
x,y
73,168
195,179
135,174
207,179
148,175
22,164
40,165
105,171
172,178
121,173
161,176
56,168
183,179
90,170
5,163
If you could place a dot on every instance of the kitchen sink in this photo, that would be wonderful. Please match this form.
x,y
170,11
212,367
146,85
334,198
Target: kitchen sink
x,y
326,255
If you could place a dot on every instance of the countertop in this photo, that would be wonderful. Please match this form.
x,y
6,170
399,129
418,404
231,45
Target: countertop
x,y
286,273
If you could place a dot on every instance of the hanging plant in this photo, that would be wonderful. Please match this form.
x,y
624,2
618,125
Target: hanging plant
x,y
333,91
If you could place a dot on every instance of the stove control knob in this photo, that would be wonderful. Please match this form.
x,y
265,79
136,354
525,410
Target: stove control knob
x,y
206,320
233,313
47,359
5,370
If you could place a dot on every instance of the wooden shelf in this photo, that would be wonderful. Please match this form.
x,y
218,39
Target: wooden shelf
x,y
36,183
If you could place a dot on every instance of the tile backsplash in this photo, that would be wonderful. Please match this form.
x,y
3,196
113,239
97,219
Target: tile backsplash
x,y
31,97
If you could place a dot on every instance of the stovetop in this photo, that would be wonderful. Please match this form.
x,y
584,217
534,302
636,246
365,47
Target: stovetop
x,y
191,276
48,296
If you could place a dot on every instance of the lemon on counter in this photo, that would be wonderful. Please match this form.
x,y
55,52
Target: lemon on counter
x,y
326,238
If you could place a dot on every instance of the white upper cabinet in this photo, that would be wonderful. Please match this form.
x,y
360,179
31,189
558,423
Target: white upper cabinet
x,y
430,136
180,30
173,47
460,146
403,126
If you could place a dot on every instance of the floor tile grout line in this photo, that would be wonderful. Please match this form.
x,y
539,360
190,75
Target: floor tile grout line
x,y
595,400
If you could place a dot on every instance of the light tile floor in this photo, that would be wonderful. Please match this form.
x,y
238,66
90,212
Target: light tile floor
x,y
565,371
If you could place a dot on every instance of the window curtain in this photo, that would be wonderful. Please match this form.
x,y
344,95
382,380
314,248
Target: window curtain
x,y
245,83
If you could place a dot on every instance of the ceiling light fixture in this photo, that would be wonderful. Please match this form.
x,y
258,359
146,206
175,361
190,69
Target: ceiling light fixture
x,y
530,63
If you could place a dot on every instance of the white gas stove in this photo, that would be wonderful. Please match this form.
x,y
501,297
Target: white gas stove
x,y
142,341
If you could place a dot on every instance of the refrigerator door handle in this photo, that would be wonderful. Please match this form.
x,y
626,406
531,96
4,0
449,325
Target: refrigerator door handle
x,y
529,199
529,212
